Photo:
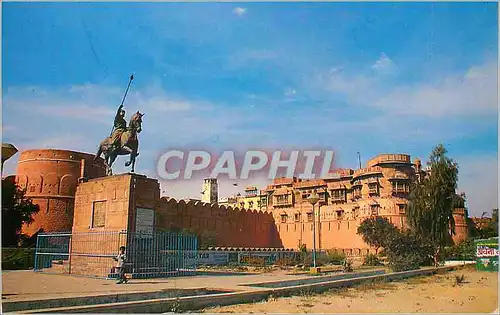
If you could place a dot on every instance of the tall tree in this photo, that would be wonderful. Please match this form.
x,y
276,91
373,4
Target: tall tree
x,y
431,202
16,211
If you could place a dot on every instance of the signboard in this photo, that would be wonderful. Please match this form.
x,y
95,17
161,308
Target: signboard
x,y
213,258
206,258
251,258
144,221
487,254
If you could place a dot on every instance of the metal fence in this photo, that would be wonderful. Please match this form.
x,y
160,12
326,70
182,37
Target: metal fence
x,y
160,254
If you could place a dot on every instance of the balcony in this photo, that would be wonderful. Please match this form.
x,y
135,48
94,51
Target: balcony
x,y
338,198
372,170
282,203
400,190
356,196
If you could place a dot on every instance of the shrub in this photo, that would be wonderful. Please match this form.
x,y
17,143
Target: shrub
x,y
286,261
253,261
405,251
302,248
408,261
459,279
335,258
17,258
371,260
347,264
463,251
374,231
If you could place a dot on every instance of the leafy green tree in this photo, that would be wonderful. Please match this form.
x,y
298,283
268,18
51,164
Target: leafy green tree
x,y
403,249
16,211
375,231
474,231
431,202
491,229
407,251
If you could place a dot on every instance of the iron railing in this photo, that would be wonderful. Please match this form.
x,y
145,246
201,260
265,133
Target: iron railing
x,y
159,254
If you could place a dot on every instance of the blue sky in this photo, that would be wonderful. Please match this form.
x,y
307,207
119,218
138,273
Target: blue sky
x,y
368,77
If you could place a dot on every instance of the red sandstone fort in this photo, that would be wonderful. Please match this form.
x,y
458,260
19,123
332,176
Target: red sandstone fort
x,y
75,195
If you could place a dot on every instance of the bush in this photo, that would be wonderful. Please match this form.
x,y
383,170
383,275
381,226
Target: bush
x,y
335,258
347,264
286,261
463,251
302,248
371,260
18,258
405,251
459,279
408,261
253,261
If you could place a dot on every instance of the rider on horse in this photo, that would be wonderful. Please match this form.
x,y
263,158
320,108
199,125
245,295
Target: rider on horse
x,y
120,126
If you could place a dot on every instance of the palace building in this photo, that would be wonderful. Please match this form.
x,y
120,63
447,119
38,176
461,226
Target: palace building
x,y
347,197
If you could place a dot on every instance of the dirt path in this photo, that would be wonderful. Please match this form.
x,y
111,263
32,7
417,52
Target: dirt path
x,y
435,294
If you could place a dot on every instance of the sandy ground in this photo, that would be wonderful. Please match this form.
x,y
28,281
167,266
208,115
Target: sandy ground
x,y
435,294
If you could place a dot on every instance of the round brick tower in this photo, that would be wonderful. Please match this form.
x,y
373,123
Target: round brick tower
x,y
50,178
461,228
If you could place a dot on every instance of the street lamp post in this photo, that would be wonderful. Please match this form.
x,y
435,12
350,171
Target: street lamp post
x,y
8,150
313,199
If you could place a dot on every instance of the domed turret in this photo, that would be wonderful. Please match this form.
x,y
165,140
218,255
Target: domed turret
x,y
418,164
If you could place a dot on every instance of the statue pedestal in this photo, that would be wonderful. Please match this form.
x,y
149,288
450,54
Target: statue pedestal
x,y
107,209
116,203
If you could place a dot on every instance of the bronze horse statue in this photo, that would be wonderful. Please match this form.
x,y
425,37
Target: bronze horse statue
x,y
129,144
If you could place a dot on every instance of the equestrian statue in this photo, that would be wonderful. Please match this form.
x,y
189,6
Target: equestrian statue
x,y
123,140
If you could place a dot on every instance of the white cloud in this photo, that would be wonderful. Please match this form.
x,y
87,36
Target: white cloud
x,y
78,102
290,92
239,11
79,112
384,64
471,93
93,103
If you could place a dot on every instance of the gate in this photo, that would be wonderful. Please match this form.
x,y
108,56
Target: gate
x,y
155,255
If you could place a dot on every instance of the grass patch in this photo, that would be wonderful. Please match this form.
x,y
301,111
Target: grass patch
x,y
459,280
347,294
